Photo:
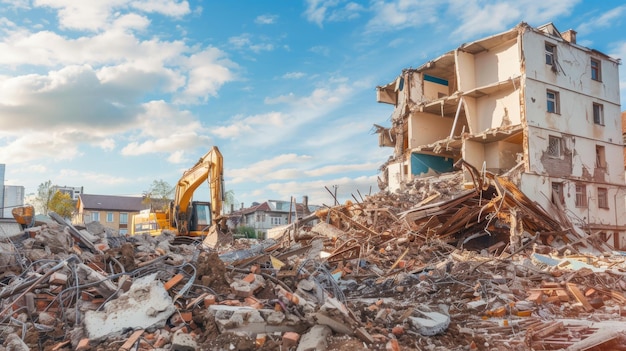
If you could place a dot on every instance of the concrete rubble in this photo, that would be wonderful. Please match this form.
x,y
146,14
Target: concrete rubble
x,y
439,266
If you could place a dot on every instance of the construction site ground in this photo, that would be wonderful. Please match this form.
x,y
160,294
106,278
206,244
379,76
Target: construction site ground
x,y
438,266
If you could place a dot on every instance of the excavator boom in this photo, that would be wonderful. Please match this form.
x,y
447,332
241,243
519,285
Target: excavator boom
x,y
209,167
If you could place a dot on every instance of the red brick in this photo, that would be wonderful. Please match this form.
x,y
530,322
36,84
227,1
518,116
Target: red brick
x,y
209,300
83,345
250,278
290,339
175,280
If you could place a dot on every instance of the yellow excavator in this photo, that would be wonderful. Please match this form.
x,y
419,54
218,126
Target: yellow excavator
x,y
185,216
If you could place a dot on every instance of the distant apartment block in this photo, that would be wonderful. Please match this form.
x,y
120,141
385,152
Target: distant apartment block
x,y
73,191
528,103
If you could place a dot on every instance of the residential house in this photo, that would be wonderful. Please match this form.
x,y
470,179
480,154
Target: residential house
x,y
528,102
270,214
112,211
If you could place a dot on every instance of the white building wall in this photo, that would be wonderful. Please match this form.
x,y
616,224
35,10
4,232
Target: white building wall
x,y
498,64
426,128
491,110
573,65
13,197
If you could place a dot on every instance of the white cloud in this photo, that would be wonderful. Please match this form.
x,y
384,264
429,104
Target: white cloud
x,y
266,19
320,11
82,15
249,124
316,189
163,129
95,15
163,7
39,145
294,75
17,4
208,71
488,16
244,41
399,14
606,19
341,168
266,169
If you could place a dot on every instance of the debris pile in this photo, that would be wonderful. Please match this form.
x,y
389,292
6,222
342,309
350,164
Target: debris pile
x,y
440,266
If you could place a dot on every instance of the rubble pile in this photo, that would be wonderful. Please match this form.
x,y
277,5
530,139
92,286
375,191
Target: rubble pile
x,y
440,266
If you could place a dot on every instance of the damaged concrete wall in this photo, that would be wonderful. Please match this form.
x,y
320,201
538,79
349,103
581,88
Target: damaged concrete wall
x,y
500,63
426,128
496,110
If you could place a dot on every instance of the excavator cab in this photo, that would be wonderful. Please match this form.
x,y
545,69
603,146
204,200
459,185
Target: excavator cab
x,y
200,220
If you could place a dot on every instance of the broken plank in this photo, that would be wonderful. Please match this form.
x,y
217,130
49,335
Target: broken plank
x,y
132,340
573,289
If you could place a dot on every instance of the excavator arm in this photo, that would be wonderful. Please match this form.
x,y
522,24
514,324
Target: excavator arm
x,y
210,166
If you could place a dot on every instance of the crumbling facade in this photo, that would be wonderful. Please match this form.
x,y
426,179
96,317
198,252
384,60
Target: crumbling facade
x,y
529,104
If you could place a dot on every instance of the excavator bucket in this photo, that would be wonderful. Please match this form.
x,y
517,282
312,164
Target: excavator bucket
x,y
218,235
24,215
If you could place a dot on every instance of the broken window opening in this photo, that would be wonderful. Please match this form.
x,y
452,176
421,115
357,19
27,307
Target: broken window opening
x,y
596,70
550,54
603,198
581,195
600,157
552,101
554,146
598,114
557,193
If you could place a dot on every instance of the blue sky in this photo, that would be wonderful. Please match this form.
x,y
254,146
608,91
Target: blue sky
x,y
114,94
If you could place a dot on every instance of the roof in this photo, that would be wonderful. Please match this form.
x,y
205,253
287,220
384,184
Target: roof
x,y
111,202
271,206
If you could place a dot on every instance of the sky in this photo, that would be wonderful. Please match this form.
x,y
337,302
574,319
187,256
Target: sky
x,y
112,95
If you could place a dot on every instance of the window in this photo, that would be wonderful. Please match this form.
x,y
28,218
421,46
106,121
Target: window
x,y
550,54
557,192
123,218
275,220
581,195
598,114
603,198
596,70
95,216
600,157
553,101
554,146
109,217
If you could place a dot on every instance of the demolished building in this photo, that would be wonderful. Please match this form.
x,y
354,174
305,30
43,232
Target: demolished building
x,y
530,104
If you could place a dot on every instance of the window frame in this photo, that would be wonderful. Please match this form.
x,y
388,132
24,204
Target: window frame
x,y
600,156
555,102
123,217
603,198
110,217
559,144
550,52
597,76
95,216
558,188
598,114
581,195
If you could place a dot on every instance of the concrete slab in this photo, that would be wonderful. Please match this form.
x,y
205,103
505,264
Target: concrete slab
x,y
146,304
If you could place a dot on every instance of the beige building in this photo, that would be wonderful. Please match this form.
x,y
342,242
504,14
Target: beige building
x,y
529,102
112,211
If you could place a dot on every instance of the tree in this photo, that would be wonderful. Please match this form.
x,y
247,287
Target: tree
x,y
159,195
62,204
45,192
